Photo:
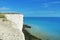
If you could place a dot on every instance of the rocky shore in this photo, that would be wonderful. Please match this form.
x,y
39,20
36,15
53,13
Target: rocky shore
x,y
29,36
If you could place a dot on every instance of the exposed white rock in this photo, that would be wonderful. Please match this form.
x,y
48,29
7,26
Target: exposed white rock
x,y
11,27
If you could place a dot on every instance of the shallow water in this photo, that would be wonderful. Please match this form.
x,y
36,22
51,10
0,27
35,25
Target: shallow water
x,y
44,27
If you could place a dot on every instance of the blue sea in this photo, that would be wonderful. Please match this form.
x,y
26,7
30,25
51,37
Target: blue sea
x,y
47,28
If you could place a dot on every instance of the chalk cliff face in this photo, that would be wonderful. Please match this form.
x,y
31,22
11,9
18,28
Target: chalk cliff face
x,y
11,27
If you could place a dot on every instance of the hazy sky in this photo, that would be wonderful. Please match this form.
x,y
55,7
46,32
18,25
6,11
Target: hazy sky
x,y
32,8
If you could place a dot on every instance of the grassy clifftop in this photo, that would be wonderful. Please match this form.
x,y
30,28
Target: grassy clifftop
x,y
2,16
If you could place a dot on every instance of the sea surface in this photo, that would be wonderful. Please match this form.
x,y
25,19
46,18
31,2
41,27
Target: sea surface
x,y
47,28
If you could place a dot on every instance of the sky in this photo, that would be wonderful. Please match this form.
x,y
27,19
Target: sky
x,y
32,8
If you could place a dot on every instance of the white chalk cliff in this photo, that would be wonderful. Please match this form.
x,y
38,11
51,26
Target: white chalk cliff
x,y
11,27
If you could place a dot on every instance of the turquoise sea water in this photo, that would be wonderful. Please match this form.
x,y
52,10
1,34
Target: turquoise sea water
x,y
44,27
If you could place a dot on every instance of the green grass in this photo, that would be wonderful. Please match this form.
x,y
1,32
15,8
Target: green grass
x,y
2,16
